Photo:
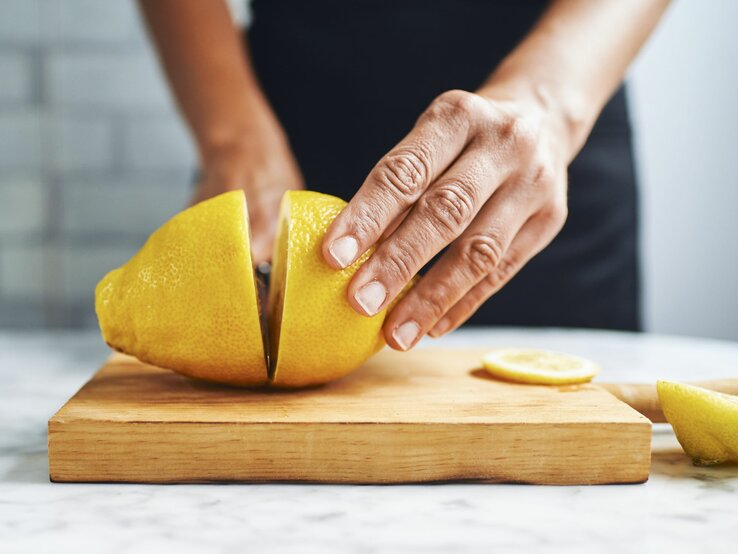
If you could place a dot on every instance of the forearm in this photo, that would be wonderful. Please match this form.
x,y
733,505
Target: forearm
x,y
209,72
574,58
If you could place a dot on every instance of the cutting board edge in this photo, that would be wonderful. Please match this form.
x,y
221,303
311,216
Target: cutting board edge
x,y
407,456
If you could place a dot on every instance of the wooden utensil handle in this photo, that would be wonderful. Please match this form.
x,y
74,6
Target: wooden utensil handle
x,y
644,398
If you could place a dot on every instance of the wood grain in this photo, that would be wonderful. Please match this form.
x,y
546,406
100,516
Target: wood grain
x,y
428,415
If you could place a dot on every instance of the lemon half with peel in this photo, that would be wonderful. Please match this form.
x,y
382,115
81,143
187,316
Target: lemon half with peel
x,y
188,300
539,367
704,421
315,335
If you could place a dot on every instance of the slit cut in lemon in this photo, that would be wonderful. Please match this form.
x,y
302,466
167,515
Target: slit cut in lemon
x,y
539,367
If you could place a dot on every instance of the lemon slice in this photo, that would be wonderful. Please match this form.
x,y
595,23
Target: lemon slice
x,y
705,421
541,367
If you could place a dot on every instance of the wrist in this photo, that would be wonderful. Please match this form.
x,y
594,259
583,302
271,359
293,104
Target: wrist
x,y
566,114
247,143
260,162
253,133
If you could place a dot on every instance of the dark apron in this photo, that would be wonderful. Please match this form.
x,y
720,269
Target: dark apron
x,y
348,79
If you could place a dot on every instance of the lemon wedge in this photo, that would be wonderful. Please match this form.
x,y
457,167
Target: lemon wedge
x,y
705,421
540,367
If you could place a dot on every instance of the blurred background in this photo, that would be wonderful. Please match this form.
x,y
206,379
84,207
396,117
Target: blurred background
x,y
93,157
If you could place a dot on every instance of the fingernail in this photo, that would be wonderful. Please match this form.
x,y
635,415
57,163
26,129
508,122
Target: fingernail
x,y
440,328
371,296
406,334
344,250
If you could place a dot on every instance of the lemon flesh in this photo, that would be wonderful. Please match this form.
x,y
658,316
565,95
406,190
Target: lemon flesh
x,y
704,421
315,335
542,367
187,300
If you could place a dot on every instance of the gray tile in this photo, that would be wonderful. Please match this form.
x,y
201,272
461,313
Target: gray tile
x,y
97,22
83,265
81,142
160,142
20,139
112,80
15,78
22,314
20,22
22,208
24,270
117,208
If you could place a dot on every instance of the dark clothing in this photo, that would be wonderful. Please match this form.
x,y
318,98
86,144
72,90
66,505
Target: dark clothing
x,y
348,79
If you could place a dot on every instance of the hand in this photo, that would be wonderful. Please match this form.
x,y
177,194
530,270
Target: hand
x,y
484,176
264,174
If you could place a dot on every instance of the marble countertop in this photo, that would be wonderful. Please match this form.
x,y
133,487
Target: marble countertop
x,y
680,508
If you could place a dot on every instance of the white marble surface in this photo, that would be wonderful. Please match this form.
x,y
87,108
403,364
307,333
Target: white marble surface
x,y
681,508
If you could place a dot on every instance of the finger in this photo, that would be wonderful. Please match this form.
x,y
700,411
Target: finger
x,y
477,253
533,237
439,216
261,243
263,209
399,179
394,225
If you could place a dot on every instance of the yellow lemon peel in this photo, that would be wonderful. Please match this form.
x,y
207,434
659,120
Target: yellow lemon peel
x,y
705,421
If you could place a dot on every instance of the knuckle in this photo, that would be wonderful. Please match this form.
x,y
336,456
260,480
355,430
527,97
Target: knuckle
x,y
434,300
542,172
524,136
555,210
556,213
367,223
484,252
450,206
501,275
404,173
457,104
540,175
517,132
400,261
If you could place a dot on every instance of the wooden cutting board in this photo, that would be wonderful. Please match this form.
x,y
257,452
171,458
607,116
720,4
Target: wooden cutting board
x,y
428,415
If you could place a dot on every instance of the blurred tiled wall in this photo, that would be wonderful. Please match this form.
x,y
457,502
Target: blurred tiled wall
x,y
93,156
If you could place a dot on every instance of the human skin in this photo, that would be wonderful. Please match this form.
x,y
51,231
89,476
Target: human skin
x,y
240,143
482,172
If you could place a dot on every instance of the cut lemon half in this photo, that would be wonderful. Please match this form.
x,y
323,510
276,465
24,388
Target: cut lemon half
x,y
705,421
539,367
188,300
316,336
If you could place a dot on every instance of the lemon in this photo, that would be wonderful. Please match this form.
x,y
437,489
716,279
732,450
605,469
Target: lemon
x,y
315,335
705,421
543,367
188,300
